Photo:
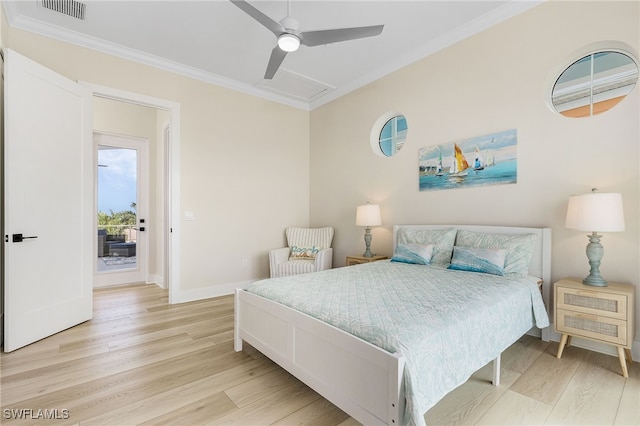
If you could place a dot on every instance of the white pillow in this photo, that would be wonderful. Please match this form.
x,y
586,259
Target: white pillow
x,y
488,261
303,253
442,240
419,254
519,248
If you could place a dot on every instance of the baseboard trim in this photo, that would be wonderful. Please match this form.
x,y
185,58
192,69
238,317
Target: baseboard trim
x,y
156,279
190,295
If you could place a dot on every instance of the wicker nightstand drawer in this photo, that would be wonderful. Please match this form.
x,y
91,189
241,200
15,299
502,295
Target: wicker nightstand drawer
x,y
595,327
592,302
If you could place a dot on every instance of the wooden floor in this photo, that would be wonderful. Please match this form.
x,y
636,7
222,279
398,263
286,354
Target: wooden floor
x,y
141,361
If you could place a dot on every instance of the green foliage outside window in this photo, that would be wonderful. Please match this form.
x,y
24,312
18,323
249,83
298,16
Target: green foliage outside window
x,y
116,222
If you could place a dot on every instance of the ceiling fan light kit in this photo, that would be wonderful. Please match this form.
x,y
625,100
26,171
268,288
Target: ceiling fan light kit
x,y
289,42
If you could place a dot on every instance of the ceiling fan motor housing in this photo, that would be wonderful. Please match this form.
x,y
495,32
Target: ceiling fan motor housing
x,y
290,24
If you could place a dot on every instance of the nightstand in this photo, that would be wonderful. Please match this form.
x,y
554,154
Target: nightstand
x,y
356,260
601,314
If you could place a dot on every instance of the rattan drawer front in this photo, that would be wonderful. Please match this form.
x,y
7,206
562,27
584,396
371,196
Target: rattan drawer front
x,y
595,327
592,302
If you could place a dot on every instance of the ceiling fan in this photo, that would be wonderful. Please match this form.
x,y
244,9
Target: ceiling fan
x,y
290,38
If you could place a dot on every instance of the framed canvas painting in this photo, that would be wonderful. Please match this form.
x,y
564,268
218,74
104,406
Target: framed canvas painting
x,y
478,161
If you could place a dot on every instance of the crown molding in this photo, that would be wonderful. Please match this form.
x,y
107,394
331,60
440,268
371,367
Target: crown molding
x,y
82,40
500,14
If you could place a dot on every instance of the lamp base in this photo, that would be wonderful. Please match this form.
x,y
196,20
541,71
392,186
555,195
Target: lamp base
x,y
367,242
595,251
595,281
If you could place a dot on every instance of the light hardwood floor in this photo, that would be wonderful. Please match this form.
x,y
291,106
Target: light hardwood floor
x,y
142,361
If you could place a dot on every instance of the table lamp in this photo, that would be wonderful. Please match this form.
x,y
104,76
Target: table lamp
x,y
368,215
596,212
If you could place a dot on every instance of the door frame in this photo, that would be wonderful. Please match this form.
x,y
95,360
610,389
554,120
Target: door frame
x,y
166,252
172,191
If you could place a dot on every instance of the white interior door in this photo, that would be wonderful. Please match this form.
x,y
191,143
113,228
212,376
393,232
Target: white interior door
x,y
122,207
48,202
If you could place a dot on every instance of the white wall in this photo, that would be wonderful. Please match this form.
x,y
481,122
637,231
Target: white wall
x,y
493,81
244,162
3,28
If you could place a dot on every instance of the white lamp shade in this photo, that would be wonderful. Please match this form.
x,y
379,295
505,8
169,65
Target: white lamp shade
x,y
595,212
288,42
368,215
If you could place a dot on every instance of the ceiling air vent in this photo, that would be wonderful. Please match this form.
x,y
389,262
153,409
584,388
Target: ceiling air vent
x,y
72,8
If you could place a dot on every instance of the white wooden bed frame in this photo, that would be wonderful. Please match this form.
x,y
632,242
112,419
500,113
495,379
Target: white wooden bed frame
x,y
360,378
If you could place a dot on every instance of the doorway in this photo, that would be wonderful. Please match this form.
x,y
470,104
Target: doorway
x,y
166,241
122,189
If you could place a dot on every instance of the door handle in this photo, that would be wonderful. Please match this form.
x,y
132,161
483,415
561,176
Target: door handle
x,y
17,238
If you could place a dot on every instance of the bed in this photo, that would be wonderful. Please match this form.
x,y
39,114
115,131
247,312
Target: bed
x,y
384,341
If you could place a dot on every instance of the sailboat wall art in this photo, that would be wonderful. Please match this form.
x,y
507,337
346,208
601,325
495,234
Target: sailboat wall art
x,y
479,161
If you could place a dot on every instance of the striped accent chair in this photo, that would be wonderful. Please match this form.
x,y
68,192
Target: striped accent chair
x,y
309,250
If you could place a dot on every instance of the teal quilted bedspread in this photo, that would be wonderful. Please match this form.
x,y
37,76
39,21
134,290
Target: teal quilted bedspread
x,y
447,324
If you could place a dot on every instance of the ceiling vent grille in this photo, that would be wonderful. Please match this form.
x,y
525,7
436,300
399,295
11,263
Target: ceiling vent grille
x,y
72,8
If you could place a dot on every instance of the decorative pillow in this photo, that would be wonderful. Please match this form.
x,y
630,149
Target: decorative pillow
x,y
489,261
413,253
519,248
442,240
303,253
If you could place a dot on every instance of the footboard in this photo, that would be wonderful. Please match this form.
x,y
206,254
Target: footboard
x,y
360,378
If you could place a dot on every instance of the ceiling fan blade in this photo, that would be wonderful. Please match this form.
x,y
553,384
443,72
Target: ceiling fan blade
x,y
270,24
277,56
316,38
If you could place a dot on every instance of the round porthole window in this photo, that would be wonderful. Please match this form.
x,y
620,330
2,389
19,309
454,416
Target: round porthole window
x,y
389,134
594,83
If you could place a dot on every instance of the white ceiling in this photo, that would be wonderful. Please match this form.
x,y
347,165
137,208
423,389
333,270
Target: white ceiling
x,y
214,41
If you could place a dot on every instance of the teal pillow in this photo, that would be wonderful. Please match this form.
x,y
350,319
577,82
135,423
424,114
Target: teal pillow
x,y
488,261
519,248
419,254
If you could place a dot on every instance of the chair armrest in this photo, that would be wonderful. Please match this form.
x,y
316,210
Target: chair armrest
x,y
277,256
324,259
